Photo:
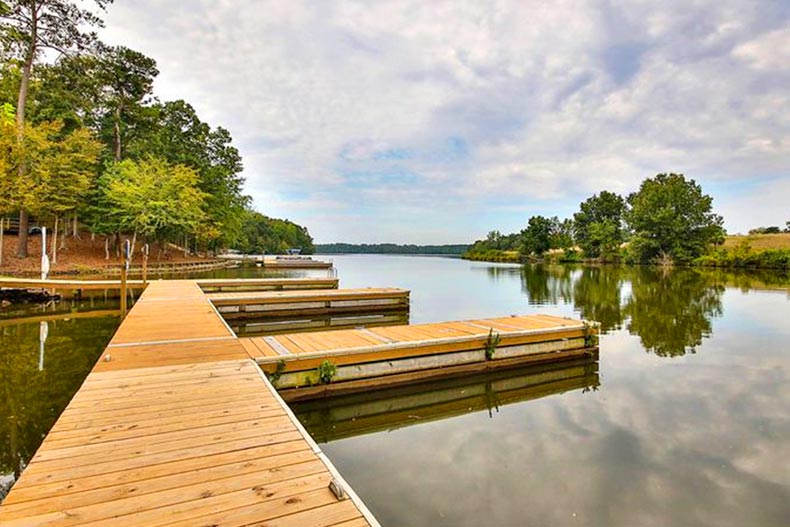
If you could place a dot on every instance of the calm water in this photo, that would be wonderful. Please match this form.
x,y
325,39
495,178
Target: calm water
x,y
684,420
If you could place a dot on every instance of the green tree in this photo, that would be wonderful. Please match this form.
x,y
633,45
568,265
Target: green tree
x,y
671,220
149,198
261,234
561,233
126,78
178,135
536,238
598,226
27,29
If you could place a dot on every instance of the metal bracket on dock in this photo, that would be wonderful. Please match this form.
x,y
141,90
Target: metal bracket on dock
x,y
338,490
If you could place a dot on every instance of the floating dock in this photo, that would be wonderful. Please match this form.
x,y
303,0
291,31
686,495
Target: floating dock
x,y
278,262
67,285
177,425
368,358
309,303
255,327
265,284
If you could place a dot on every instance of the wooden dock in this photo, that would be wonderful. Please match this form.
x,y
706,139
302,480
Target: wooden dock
x,y
66,285
368,358
252,327
175,425
278,261
309,303
265,284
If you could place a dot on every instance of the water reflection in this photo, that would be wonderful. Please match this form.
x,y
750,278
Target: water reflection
x,y
41,369
669,309
386,410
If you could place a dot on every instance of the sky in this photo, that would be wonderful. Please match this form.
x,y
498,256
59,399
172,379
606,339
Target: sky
x,y
436,122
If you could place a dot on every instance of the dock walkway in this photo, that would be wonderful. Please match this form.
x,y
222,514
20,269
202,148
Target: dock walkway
x,y
309,302
176,426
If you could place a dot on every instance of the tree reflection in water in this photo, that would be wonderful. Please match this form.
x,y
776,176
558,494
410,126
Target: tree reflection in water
x,y
33,397
669,309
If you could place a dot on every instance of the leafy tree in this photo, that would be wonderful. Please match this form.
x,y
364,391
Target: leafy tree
x,y
671,219
27,29
261,234
598,225
774,229
150,198
536,238
178,135
126,78
561,233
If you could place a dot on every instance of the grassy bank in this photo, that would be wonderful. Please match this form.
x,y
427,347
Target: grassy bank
x,y
755,251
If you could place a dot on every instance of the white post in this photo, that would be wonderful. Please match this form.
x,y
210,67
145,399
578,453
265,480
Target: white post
x,y
44,257
43,331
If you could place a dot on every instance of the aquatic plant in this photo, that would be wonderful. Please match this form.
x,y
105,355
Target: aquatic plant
x,y
491,343
326,372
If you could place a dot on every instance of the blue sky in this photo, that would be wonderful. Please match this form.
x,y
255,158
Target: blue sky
x,y
435,122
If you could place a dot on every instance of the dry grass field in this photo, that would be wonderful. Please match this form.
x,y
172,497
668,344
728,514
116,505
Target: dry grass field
x,y
760,242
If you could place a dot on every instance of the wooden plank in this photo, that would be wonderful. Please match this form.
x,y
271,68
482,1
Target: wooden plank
x,y
172,430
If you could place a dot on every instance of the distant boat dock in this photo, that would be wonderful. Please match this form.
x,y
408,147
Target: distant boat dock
x,y
288,261
180,423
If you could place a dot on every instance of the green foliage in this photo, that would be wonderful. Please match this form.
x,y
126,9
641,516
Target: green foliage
x,y
774,229
598,226
58,167
278,372
536,238
149,197
561,236
491,343
261,234
671,220
493,255
742,255
388,248
326,372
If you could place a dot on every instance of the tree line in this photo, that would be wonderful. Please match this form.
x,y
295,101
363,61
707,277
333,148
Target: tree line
x,y
84,141
389,248
668,220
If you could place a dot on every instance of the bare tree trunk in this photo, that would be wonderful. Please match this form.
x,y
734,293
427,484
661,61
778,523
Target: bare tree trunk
x,y
2,241
131,248
27,68
55,242
64,234
118,133
75,233
106,247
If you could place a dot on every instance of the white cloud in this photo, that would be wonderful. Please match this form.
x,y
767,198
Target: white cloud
x,y
544,101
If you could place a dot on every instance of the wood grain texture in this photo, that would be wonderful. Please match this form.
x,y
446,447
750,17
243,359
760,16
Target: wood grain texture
x,y
176,425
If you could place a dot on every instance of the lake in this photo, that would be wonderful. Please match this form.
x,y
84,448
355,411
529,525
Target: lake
x,y
684,420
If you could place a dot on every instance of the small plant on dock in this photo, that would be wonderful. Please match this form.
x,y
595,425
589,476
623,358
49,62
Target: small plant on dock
x,y
491,343
590,334
326,372
274,377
